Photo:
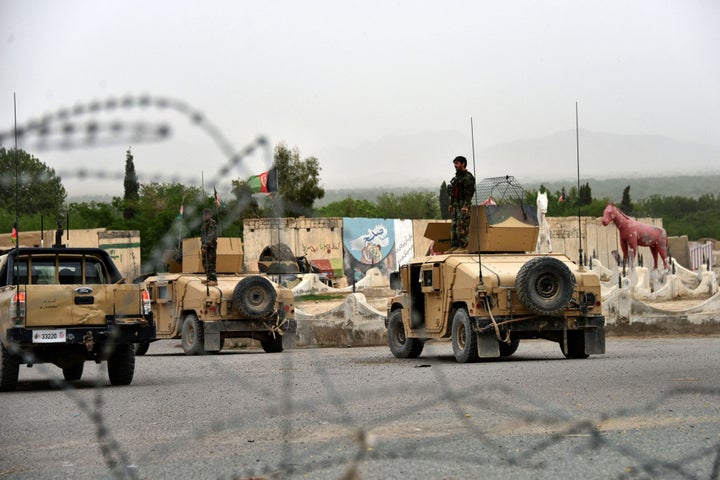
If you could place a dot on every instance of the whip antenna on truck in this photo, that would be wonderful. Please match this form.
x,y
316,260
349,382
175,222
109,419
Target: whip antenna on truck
x,y
577,148
477,213
16,227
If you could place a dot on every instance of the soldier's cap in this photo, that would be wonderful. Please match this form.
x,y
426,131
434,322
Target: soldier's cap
x,y
207,211
460,159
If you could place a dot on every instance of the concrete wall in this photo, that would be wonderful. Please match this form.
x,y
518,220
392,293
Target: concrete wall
x,y
314,238
321,238
124,248
680,250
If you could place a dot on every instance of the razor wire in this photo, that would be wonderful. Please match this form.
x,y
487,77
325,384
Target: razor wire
x,y
361,448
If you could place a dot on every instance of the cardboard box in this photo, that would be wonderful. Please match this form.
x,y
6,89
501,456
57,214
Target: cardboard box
x,y
229,255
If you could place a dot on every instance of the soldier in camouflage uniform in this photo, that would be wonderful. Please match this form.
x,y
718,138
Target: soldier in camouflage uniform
x,y
208,245
461,191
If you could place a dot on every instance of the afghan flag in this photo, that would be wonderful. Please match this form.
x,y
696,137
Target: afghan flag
x,y
266,182
13,235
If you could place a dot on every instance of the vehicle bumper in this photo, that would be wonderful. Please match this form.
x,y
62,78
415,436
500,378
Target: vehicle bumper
x,y
119,333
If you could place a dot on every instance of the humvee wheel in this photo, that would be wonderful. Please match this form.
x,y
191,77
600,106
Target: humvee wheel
x,y
464,340
141,348
545,285
508,349
121,364
193,336
73,372
272,344
576,345
254,297
400,345
9,369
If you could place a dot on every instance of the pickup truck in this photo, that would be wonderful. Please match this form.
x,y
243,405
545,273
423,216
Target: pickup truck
x,y
66,306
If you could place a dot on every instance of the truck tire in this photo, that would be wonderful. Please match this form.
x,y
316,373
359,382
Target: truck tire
x,y
141,348
254,297
507,349
400,345
121,365
193,337
545,285
9,369
464,339
272,344
73,372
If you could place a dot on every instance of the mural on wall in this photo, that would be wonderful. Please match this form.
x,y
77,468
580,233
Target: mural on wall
x,y
375,243
404,241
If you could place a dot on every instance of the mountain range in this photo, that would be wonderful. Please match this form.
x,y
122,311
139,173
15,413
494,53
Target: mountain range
x,y
650,164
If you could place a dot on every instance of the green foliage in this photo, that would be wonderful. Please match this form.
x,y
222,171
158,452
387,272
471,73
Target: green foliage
x,y
132,186
444,201
94,215
39,189
349,208
413,205
585,194
299,182
695,217
626,205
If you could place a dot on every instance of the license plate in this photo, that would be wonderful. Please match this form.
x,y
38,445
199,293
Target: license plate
x,y
49,336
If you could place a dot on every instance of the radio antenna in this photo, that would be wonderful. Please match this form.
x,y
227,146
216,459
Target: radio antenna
x,y
577,147
17,175
477,208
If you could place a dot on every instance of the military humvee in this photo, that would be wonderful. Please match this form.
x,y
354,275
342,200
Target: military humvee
x,y
239,306
67,306
488,300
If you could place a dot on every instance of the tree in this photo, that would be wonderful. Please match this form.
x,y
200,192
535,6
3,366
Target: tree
x,y
585,195
349,208
625,203
39,189
413,205
132,187
299,181
444,201
93,215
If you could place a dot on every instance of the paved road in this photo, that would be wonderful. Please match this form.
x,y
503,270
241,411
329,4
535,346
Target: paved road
x,y
649,408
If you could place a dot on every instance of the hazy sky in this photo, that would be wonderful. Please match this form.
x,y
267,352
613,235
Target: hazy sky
x,y
333,77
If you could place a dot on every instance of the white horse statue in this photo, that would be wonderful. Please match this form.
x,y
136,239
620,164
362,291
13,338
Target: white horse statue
x,y
544,234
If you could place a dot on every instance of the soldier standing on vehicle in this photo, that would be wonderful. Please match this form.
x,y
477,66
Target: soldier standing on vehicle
x,y
208,239
461,191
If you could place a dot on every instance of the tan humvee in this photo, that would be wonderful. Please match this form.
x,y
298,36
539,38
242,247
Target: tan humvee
x,y
488,300
239,306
